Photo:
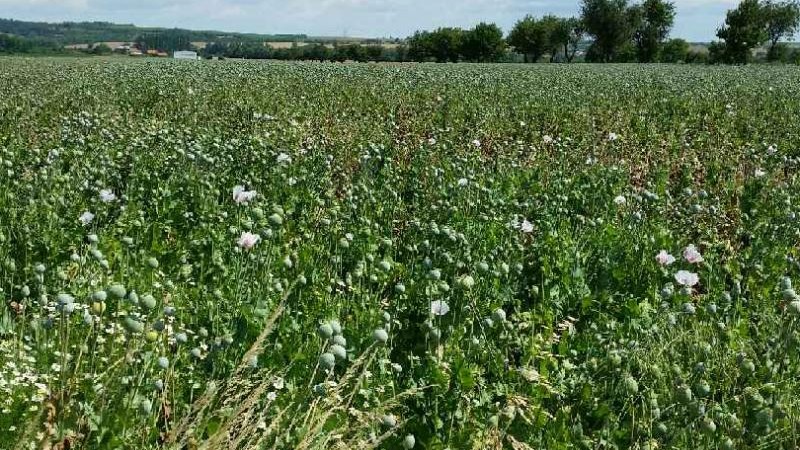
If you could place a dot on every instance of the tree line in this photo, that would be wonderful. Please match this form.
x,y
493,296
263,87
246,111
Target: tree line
x,y
604,31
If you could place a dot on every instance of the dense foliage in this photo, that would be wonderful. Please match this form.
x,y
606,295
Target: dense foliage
x,y
265,255
91,32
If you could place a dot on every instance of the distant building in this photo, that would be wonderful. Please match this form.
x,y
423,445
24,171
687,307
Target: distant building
x,y
184,55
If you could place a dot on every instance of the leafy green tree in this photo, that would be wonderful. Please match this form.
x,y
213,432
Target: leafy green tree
x,y
420,46
674,51
101,49
654,19
782,20
744,30
611,24
445,44
484,43
529,38
557,34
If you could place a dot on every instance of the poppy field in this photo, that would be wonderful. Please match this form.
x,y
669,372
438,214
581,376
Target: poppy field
x,y
255,255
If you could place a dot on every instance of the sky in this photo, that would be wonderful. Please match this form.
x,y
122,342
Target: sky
x,y
696,20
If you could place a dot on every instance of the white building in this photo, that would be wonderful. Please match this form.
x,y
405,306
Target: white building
x,y
184,55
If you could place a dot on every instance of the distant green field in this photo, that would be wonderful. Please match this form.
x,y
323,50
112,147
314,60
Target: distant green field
x,y
253,255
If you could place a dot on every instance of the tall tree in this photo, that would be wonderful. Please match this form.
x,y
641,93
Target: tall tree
x,y
674,51
420,46
744,30
484,43
446,44
529,38
782,20
609,23
557,34
655,19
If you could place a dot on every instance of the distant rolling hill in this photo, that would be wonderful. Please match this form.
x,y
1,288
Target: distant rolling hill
x,y
71,33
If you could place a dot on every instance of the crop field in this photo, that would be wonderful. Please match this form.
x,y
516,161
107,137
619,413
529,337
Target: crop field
x,y
248,255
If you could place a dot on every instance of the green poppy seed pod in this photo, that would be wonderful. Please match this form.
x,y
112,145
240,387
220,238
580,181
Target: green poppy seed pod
x,y
380,335
287,262
409,441
435,274
152,262
39,268
339,340
788,295
158,385
133,297
327,361
389,421
385,265
336,327
499,315
99,296
703,389
93,238
196,352
631,386
387,317
133,325
794,308
786,283
684,394
276,219
727,444
325,331
148,301
338,351
96,254
711,308
25,291
62,299
708,425
466,281
163,362
117,290
661,429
